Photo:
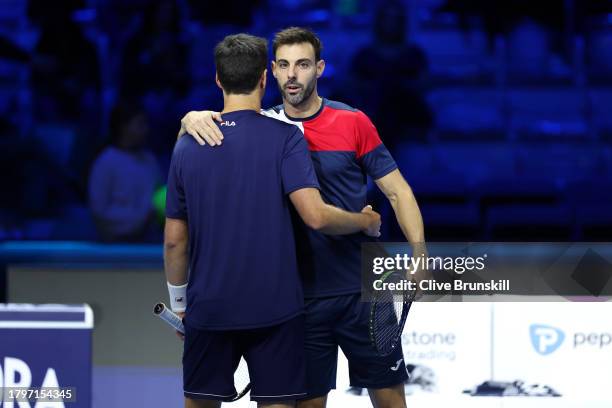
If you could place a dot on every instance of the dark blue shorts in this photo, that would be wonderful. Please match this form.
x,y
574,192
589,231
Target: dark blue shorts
x,y
274,355
344,321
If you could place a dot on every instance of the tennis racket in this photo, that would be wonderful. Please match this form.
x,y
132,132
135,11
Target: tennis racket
x,y
388,314
242,381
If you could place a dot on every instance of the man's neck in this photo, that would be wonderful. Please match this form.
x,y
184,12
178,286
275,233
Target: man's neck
x,y
241,102
306,108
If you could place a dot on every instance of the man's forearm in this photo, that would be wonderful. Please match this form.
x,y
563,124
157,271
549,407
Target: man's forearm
x,y
331,220
336,221
408,217
176,238
410,221
176,263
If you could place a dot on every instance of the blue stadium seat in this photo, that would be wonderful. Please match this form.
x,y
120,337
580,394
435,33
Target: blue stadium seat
x,y
600,103
456,56
521,208
476,161
554,113
560,162
523,222
468,113
590,202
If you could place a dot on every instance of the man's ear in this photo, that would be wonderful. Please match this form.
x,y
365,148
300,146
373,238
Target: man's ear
x,y
264,78
320,68
217,80
274,68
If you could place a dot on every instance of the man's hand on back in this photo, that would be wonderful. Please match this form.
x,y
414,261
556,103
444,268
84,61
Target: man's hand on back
x,y
201,125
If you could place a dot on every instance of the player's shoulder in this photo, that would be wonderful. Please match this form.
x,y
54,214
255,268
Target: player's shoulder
x,y
184,143
275,112
276,118
346,112
278,109
340,106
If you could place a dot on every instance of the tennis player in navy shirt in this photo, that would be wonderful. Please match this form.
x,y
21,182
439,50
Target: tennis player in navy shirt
x,y
228,222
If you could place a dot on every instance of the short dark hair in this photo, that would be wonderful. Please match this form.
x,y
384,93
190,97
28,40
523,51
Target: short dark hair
x,y
297,35
240,60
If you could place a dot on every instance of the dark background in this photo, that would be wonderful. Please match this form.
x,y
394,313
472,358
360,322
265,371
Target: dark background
x,y
499,113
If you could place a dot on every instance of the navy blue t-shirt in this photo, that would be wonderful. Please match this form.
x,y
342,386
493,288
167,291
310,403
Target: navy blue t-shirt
x,y
242,261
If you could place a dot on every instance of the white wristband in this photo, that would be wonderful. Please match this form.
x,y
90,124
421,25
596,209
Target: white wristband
x,y
178,297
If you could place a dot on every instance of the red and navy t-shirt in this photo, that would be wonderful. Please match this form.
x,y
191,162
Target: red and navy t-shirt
x,y
345,148
242,260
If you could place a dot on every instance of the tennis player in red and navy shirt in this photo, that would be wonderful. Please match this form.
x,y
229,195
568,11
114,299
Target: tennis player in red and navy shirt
x,y
345,149
228,220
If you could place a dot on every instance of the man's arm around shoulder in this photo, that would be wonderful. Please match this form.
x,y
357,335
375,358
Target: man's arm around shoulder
x,y
332,220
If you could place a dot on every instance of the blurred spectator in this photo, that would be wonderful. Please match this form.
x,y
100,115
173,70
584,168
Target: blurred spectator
x,y
543,20
154,59
65,65
587,9
501,17
118,22
155,70
123,179
231,12
10,51
390,77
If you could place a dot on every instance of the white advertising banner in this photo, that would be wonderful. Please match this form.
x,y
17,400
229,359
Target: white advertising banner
x,y
450,347
566,346
448,342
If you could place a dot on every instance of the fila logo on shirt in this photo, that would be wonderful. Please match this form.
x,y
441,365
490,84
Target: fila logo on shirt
x,y
228,123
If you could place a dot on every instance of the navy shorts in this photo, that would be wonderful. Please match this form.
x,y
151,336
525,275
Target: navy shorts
x,y
274,355
344,321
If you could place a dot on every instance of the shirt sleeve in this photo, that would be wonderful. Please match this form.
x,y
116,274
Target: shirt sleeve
x,y
371,152
175,195
297,170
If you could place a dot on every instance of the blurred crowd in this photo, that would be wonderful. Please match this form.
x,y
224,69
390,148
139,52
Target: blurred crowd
x,y
92,91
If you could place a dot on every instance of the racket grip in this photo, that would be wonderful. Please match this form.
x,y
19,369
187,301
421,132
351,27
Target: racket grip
x,y
161,310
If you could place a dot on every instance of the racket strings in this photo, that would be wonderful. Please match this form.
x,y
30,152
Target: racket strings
x,y
398,308
387,321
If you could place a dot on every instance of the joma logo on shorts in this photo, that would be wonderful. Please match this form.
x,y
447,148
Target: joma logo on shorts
x,y
228,123
397,365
